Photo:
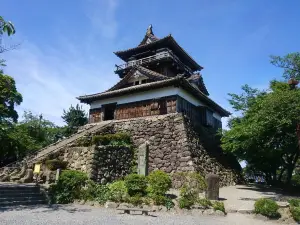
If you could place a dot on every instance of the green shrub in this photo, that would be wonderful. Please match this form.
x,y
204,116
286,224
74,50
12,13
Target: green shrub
x,y
192,179
295,213
118,191
136,184
102,194
135,200
169,203
68,187
266,207
188,196
185,203
112,139
296,180
219,206
158,199
159,183
294,202
54,164
204,202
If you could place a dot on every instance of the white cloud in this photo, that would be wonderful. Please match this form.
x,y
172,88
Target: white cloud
x,y
102,14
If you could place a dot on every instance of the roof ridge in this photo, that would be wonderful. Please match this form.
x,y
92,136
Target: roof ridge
x,y
150,71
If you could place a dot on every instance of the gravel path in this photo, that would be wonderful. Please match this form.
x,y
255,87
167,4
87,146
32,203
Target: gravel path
x,y
86,215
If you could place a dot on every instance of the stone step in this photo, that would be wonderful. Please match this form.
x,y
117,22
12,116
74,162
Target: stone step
x,y
19,194
15,203
22,198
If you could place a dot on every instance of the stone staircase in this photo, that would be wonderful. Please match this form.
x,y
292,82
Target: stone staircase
x,y
21,194
55,147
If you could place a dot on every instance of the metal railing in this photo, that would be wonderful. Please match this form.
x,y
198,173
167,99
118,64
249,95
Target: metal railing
x,y
156,57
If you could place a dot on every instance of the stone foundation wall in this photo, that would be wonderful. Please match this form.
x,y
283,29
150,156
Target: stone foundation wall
x,y
174,146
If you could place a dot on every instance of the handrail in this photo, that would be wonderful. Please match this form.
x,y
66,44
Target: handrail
x,y
11,165
157,56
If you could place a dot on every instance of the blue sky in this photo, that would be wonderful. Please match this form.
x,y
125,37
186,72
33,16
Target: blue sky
x,y
67,46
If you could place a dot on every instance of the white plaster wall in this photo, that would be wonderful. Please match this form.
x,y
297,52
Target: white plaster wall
x,y
147,95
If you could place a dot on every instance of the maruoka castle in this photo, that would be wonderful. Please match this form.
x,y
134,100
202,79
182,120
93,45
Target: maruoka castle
x,y
162,103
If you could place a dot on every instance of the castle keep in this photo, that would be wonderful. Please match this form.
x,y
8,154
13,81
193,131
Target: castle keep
x,y
158,77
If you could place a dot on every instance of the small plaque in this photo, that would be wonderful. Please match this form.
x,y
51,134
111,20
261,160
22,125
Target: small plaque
x,y
37,168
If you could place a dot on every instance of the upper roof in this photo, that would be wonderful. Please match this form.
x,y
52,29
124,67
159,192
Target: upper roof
x,y
150,42
159,81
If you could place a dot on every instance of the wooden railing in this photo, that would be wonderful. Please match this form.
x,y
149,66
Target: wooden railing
x,y
156,57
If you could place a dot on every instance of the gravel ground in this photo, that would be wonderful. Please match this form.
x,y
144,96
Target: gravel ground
x,y
87,215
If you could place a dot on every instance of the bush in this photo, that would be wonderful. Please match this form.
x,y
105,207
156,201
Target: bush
x,y
188,197
112,139
219,206
95,192
135,200
204,202
294,202
295,213
69,186
102,194
185,203
136,184
118,191
159,183
169,203
192,179
54,164
266,207
296,180
158,199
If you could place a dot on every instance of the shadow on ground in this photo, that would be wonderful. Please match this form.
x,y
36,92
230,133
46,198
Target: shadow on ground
x,y
275,193
45,208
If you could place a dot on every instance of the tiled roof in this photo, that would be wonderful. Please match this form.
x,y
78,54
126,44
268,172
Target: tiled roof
x,y
197,80
158,41
178,81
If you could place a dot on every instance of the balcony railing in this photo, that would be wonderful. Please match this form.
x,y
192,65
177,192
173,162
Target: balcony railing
x,y
153,58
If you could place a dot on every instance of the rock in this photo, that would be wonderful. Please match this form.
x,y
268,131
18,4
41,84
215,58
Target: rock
x,y
111,205
82,202
163,209
208,212
198,207
219,213
124,205
196,212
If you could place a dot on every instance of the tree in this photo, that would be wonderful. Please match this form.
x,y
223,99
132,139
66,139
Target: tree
x,y
74,118
6,27
9,98
265,134
290,63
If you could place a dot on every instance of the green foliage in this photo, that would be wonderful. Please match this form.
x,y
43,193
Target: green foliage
x,y
266,207
135,200
219,206
188,196
204,202
136,184
74,117
265,134
185,203
158,199
193,180
290,63
296,213
169,203
118,191
6,27
112,139
294,202
54,164
296,180
9,99
159,183
69,186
